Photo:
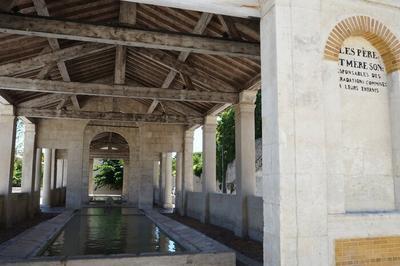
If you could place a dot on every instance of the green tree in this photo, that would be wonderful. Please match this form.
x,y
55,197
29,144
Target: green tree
x,y
110,173
197,163
17,174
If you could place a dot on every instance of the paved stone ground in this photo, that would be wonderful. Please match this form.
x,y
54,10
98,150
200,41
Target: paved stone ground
x,y
194,240
16,229
32,241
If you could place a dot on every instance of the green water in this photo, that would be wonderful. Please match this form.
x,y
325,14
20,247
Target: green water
x,y
110,231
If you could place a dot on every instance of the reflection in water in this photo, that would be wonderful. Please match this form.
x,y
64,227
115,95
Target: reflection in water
x,y
108,231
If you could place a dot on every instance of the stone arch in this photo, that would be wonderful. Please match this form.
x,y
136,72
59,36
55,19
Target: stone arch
x,y
373,31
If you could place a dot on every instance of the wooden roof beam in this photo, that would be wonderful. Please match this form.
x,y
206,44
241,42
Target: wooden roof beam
x,y
122,117
57,28
46,59
198,29
93,89
237,8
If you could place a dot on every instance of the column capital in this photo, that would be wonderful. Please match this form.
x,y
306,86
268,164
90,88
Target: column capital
x,y
189,134
248,97
30,127
7,110
210,120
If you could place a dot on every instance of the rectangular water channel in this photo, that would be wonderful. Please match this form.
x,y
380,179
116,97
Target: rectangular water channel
x,y
104,231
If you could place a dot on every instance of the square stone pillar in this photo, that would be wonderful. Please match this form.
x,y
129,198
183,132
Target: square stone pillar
x,y
46,196
162,178
294,168
209,179
28,165
168,182
156,181
7,150
38,169
53,169
179,184
187,167
125,181
394,84
245,158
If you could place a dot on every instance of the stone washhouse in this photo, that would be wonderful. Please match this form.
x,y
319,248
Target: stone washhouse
x,y
133,79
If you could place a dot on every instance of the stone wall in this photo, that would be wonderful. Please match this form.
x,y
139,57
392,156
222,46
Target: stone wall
x,y
255,218
221,214
194,204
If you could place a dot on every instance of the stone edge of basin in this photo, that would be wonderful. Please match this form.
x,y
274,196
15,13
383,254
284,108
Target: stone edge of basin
x,y
30,242
193,240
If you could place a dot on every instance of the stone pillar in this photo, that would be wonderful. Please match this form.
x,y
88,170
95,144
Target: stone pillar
x,y
125,181
28,165
162,178
38,169
394,98
92,185
179,184
53,169
209,180
294,172
7,146
187,167
65,165
168,182
46,201
245,158
156,181
60,173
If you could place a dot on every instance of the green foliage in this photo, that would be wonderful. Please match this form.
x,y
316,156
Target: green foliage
x,y
17,173
19,140
174,165
110,173
226,136
197,163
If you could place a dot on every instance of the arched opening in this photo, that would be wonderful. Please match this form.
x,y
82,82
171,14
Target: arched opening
x,y
108,161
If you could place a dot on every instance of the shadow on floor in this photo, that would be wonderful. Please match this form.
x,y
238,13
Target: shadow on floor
x,y
250,248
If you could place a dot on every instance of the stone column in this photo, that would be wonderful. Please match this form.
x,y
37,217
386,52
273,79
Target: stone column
x,y
394,97
294,168
156,181
168,182
179,184
125,181
38,168
187,167
245,158
92,185
46,201
60,173
162,178
65,165
28,165
209,180
7,146
53,169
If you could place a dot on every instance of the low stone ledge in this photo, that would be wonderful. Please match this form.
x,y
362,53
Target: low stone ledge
x,y
201,259
33,240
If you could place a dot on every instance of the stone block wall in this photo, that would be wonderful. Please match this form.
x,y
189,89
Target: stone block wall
x,y
194,204
255,218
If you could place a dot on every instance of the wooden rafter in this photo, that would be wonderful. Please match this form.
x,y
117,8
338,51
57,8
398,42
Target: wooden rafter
x,y
198,29
93,89
56,28
122,117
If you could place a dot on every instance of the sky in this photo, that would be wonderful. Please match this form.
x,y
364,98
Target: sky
x,y
198,140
